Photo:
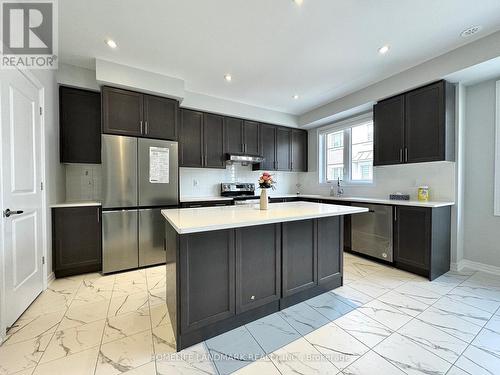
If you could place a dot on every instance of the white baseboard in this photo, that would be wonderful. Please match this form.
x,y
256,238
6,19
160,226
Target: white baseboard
x,y
51,278
476,266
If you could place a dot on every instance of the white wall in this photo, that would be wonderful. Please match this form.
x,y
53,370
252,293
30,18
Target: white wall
x,y
481,50
481,227
54,172
208,180
440,176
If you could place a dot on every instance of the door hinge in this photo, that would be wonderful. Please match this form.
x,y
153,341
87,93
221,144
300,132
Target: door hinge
x,y
41,111
43,260
41,185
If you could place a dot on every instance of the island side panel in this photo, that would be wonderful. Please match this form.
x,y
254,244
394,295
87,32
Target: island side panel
x,y
330,254
172,276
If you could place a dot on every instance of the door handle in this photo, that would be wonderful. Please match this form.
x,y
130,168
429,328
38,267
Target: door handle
x,y
140,122
400,155
8,212
146,127
406,154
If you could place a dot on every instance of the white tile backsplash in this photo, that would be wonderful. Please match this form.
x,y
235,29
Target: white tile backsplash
x,y
439,176
200,182
83,182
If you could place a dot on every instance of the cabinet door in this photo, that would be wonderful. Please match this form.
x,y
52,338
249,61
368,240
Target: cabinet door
x,y
388,131
213,134
258,252
80,126
233,130
412,238
425,124
329,248
251,142
206,292
283,149
76,237
191,139
160,117
299,256
122,112
268,146
299,151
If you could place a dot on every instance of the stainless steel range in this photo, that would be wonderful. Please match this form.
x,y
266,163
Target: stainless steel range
x,y
242,193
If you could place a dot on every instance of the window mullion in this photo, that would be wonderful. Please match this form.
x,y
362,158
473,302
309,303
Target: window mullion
x,y
347,154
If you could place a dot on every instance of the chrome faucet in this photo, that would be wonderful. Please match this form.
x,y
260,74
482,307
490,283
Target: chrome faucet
x,y
340,190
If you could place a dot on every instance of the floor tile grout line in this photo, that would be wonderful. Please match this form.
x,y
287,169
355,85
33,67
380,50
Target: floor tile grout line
x,y
470,344
416,317
151,324
262,348
104,329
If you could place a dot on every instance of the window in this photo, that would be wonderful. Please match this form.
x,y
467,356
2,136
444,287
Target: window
x,y
347,151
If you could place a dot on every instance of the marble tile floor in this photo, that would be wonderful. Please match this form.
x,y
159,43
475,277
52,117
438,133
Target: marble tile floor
x,y
382,321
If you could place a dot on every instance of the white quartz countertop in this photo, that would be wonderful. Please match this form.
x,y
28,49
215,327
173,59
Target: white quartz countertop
x,y
193,220
76,204
415,203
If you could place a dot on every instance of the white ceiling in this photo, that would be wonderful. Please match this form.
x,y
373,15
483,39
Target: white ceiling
x,y
321,50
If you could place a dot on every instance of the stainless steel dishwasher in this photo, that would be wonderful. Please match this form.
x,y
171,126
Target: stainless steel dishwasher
x,y
371,232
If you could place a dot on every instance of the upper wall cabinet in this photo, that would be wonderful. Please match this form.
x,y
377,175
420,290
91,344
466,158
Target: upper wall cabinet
x,y
80,125
415,127
299,150
135,114
283,149
201,140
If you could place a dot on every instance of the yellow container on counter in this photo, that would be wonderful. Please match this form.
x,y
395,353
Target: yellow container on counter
x,y
423,193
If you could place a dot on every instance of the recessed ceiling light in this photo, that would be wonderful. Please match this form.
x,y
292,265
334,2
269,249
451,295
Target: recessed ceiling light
x,y
111,43
295,96
384,49
298,2
228,77
470,31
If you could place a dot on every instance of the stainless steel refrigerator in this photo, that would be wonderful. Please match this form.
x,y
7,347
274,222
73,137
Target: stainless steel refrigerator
x,y
140,177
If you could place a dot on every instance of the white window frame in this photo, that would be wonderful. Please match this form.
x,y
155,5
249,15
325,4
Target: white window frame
x,y
497,152
322,150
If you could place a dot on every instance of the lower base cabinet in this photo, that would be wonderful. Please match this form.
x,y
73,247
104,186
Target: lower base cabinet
x,y
76,240
227,278
422,240
258,266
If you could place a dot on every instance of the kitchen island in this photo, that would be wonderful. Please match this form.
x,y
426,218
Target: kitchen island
x,y
227,266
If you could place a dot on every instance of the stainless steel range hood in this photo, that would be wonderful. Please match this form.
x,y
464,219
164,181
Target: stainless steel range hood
x,y
244,159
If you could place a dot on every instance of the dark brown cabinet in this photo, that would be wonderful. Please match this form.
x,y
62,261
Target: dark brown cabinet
x,y
233,130
422,240
299,256
268,147
76,240
160,117
283,149
80,125
207,293
134,114
213,141
191,139
388,131
257,250
417,126
201,140
299,151
251,140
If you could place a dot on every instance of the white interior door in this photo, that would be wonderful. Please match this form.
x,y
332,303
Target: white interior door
x,y
21,192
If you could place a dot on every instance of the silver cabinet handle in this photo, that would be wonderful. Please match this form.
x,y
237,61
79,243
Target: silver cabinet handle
x,y
98,216
400,155
146,127
140,122
406,153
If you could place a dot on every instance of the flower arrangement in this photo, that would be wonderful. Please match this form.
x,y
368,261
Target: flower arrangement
x,y
266,181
